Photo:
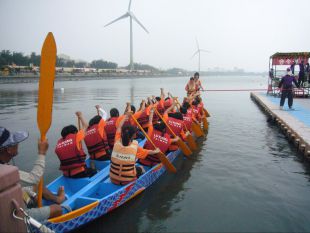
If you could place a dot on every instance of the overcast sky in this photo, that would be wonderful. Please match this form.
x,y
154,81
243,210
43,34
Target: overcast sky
x,y
239,33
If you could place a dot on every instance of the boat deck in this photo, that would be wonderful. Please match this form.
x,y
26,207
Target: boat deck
x,y
295,123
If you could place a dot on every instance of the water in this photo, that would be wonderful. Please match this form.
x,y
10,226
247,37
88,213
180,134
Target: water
x,y
245,177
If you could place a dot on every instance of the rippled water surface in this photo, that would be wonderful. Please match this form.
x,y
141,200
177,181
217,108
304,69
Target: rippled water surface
x,y
245,176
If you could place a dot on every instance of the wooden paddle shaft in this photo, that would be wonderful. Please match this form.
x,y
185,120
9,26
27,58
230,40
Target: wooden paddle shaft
x,y
162,155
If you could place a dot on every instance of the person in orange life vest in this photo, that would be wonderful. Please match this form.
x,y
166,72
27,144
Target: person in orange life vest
x,y
142,115
159,104
128,121
176,123
160,138
70,151
187,117
130,108
198,108
126,150
189,112
110,127
96,139
190,86
197,82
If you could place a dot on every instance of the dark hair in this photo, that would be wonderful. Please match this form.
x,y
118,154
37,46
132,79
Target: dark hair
x,y
114,112
128,132
95,120
195,103
70,129
133,108
196,74
176,115
160,126
167,98
183,110
158,98
191,78
198,99
186,105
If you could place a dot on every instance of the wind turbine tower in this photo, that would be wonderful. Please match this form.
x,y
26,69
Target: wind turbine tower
x,y
198,51
132,17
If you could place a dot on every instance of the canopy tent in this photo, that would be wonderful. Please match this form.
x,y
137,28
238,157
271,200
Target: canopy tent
x,y
278,63
289,58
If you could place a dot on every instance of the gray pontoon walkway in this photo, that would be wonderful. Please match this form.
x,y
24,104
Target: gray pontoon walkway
x,y
295,122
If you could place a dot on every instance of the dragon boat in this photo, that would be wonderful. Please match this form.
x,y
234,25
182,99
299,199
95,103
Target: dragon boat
x,y
91,198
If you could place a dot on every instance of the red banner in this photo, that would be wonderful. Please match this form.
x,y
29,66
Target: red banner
x,y
288,60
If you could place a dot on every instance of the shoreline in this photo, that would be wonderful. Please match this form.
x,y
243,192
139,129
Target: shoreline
x,y
68,77
60,78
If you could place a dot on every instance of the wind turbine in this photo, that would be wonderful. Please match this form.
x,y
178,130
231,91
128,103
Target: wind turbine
x,y
198,51
132,17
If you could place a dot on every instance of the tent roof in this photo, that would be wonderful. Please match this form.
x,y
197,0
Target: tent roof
x,y
291,55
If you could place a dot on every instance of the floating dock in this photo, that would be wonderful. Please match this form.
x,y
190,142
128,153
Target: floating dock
x,y
294,123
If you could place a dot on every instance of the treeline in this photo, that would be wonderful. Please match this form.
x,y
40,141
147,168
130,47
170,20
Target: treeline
x,y
8,58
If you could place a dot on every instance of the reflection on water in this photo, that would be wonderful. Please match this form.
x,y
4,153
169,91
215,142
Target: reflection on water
x,y
245,177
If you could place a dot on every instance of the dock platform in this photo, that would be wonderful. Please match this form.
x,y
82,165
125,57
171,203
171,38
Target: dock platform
x,y
294,123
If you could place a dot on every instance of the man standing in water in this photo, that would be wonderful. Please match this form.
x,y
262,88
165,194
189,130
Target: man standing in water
x,y
287,91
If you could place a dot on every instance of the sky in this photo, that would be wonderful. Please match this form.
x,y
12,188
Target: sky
x,y
238,33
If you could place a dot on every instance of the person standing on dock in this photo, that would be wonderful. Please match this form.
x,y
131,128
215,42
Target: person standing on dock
x,y
301,75
287,92
293,67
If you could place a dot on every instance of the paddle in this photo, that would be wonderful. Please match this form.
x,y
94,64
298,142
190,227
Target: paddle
x,y
186,151
162,156
189,138
45,95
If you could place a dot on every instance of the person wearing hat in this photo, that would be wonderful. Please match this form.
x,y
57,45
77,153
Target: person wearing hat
x,y
29,180
287,92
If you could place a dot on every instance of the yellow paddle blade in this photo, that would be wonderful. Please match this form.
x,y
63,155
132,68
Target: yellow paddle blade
x,y
163,159
206,112
186,151
45,96
46,84
197,130
191,142
205,124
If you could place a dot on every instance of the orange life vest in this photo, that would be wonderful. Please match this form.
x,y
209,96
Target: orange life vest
x,y
123,160
110,129
168,103
161,109
143,119
96,144
196,112
176,126
72,160
188,120
161,141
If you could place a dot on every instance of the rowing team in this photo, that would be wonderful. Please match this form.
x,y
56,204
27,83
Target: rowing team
x,y
108,139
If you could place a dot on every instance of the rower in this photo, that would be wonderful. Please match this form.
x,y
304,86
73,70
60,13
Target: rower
x,y
70,151
110,127
29,180
125,152
159,104
176,123
96,138
160,138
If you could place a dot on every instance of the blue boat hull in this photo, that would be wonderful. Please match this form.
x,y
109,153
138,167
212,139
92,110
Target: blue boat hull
x,y
100,189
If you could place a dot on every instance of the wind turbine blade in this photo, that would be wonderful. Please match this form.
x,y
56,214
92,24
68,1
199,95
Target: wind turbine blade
x,y
206,51
129,6
195,54
138,22
119,18
197,43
